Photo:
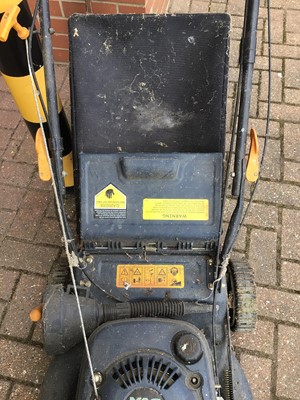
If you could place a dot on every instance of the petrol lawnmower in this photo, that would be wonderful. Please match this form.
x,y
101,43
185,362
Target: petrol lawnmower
x,y
152,293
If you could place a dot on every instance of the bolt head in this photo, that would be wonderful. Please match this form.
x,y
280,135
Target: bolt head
x,y
89,259
98,378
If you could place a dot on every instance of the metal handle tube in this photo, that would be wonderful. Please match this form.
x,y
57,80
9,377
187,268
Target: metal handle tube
x,y
248,49
51,94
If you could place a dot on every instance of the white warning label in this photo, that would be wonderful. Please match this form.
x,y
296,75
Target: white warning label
x,y
110,202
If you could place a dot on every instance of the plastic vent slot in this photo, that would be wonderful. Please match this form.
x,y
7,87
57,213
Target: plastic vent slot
x,y
129,373
162,374
158,372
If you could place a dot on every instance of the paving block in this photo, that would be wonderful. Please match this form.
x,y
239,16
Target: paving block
x,y
292,21
291,141
199,6
283,51
262,216
3,305
4,389
277,86
11,150
16,173
277,24
7,283
278,193
50,232
291,234
260,126
292,78
179,6
5,135
25,224
24,392
29,257
262,257
9,119
37,199
38,333
292,96
291,4
262,63
272,163
28,295
261,340
6,218
292,171
288,362
283,112
258,376
10,197
290,275
22,361
278,305
292,38
37,183
21,131
27,151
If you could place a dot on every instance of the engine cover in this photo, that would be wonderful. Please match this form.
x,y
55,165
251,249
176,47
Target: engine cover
x,y
147,358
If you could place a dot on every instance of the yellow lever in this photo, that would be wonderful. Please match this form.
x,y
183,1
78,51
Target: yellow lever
x,y
252,170
43,165
9,21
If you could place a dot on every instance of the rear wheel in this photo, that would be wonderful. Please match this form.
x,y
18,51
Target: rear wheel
x,y
241,296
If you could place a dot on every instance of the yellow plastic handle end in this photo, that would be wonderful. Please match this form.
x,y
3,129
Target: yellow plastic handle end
x,y
252,170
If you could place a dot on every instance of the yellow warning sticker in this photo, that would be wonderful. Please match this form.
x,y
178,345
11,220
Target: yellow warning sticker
x,y
150,276
110,202
176,209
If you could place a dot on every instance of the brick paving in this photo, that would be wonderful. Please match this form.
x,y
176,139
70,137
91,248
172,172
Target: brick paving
x,y
30,238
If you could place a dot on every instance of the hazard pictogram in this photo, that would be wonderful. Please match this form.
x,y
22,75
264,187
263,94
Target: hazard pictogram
x,y
137,272
135,276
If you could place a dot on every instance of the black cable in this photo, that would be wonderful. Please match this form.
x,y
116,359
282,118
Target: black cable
x,y
229,164
267,132
83,270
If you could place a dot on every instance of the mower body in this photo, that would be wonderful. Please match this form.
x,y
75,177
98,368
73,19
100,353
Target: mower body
x,y
148,111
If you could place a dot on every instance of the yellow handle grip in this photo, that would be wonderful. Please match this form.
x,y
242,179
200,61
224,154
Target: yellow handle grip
x,y
9,21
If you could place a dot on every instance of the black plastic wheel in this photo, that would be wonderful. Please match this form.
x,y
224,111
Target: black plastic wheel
x,y
241,296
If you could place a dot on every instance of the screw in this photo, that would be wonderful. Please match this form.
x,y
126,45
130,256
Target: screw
x,y
210,262
85,283
89,259
98,378
210,286
194,380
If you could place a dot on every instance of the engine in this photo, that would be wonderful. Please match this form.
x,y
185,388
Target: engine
x,y
174,365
